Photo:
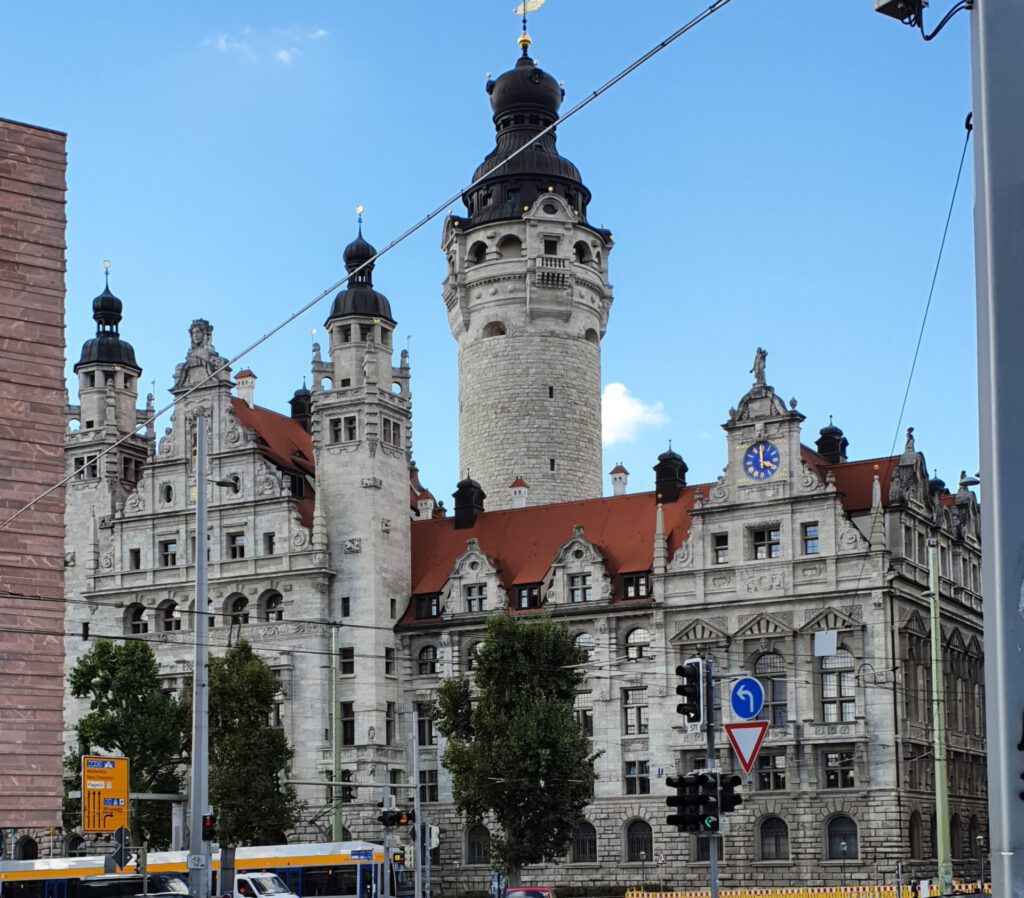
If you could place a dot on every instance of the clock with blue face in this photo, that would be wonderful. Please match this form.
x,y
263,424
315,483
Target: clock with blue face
x,y
761,460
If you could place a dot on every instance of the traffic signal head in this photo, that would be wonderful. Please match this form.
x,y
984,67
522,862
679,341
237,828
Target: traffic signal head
x,y
691,688
209,827
404,818
398,857
388,818
685,800
707,802
729,799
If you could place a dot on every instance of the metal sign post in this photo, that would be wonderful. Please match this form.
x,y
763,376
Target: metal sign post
x,y
709,717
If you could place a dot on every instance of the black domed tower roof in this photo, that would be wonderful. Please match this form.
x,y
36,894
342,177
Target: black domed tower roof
x,y
107,347
359,297
831,443
525,100
670,475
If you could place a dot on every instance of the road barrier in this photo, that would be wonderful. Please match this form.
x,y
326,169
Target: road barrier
x,y
865,891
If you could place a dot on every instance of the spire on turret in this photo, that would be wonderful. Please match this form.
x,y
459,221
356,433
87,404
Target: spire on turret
x,y
107,347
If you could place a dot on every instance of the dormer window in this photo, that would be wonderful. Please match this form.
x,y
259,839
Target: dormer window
x,y
427,606
636,586
528,596
579,588
475,595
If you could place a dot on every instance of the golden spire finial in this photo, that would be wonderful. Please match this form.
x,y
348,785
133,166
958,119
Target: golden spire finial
x,y
524,41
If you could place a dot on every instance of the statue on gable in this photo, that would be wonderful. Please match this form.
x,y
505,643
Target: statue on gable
x,y
758,370
202,360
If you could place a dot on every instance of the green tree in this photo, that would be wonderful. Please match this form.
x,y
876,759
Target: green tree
x,y
515,749
129,715
247,752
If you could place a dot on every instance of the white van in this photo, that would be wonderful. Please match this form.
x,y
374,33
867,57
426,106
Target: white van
x,y
260,884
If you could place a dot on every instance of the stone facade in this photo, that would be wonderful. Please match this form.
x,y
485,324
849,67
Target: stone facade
x,y
33,163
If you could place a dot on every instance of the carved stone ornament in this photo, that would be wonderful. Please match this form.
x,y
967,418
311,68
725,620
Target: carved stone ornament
x,y
300,538
107,560
767,582
352,546
807,481
683,558
719,492
371,483
135,502
267,484
234,435
849,537
385,525
167,442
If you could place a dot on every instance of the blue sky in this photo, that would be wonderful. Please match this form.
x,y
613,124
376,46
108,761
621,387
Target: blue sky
x,y
779,177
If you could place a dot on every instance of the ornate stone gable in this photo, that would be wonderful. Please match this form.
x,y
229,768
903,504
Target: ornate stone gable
x,y
830,619
764,626
700,632
580,559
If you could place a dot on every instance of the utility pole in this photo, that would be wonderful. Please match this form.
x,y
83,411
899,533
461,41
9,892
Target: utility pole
x,y
418,876
709,717
199,850
998,97
942,850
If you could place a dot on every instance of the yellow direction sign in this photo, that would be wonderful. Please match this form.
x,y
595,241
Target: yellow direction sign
x,y
104,794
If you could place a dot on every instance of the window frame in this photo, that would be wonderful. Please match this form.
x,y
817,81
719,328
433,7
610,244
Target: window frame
x,y
810,538
637,777
635,711
838,767
773,845
580,590
766,543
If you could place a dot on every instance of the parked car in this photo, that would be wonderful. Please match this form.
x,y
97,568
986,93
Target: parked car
x,y
530,892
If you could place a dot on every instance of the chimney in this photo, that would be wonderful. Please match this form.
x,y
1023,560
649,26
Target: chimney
x,y
620,478
246,384
670,475
469,502
425,506
519,490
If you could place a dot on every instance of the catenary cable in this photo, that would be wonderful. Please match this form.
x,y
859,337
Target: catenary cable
x,y
430,216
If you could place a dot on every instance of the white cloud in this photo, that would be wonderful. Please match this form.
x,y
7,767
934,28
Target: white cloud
x,y
623,415
226,44
284,56
318,34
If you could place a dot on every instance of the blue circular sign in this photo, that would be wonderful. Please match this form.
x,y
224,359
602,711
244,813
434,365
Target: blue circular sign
x,y
747,698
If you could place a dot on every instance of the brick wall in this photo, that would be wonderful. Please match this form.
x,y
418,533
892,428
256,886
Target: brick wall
x,y
32,224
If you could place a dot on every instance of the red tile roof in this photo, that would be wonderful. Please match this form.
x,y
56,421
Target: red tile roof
x,y
618,469
854,478
518,482
284,442
245,372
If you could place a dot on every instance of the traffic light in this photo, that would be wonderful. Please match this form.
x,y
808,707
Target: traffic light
x,y
728,797
691,673
687,816
209,827
398,857
396,818
707,785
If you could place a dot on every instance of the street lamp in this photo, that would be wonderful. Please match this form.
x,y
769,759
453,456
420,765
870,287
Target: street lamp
x,y
643,857
842,845
981,862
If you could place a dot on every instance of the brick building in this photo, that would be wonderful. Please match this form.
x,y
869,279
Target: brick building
x,y
32,401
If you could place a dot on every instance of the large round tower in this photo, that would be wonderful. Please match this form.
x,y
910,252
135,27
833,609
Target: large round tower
x,y
528,296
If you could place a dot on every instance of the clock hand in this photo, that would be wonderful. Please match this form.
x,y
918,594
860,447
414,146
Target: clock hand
x,y
768,464
760,453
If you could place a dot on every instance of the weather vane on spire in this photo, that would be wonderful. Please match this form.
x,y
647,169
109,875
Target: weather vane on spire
x,y
527,6
106,271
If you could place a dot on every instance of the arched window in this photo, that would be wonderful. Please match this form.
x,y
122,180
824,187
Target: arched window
x,y
774,839
637,642
837,687
135,620
478,845
238,610
477,253
915,836
638,840
842,839
591,336
428,660
495,329
956,837
771,672
272,607
26,849
170,617
584,843
510,247
74,845
582,252
586,642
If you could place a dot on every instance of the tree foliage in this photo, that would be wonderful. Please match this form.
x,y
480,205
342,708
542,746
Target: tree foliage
x,y
130,715
247,753
515,749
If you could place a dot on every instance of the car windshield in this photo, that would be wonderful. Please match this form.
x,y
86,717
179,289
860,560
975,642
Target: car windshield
x,y
268,884
173,884
529,893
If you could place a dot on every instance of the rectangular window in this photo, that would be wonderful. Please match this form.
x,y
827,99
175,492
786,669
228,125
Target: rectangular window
x,y
634,711
335,430
809,538
550,247
579,588
86,468
475,595
236,545
636,586
838,769
346,606
351,430
551,464
528,596
134,559
771,771
348,723
720,545
297,485
90,379
908,542
346,382
392,432
922,549
345,333
389,661
838,699
168,552
638,778
583,709
269,543
347,658
424,725
428,785
767,543
427,606
394,608
390,723
127,468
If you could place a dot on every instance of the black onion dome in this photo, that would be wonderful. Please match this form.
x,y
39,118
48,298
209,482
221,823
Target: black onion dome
x,y
107,347
670,455
359,297
525,101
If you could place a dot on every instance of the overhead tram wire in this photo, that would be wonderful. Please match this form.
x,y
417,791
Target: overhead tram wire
x,y
430,216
